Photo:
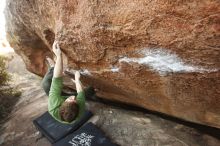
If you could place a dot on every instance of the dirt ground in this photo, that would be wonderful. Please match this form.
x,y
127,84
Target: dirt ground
x,y
125,127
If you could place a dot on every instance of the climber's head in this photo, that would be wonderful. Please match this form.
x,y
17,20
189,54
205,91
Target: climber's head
x,y
69,109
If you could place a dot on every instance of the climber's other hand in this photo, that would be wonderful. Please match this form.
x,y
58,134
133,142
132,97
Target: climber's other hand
x,y
56,49
77,75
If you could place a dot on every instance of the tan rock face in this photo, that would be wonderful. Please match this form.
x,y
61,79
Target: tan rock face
x,y
161,55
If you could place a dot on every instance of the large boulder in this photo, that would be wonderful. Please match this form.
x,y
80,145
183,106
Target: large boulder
x,y
160,55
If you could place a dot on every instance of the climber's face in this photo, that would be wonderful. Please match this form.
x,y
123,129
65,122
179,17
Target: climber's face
x,y
71,99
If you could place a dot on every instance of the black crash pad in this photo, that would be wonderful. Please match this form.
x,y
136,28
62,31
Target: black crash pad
x,y
54,130
87,135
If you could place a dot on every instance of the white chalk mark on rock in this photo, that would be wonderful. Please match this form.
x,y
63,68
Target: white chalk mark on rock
x,y
115,69
87,72
164,61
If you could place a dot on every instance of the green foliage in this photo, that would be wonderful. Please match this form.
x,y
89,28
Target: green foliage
x,y
8,95
4,76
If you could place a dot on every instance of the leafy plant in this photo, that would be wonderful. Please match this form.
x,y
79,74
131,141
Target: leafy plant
x,y
8,95
4,76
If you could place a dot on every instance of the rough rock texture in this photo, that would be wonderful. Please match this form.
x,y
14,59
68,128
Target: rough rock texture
x,y
161,55
124,127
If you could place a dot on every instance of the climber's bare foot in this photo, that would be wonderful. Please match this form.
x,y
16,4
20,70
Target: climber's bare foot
x,y
50,62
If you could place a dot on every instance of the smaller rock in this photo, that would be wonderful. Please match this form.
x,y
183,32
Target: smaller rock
x,y
94,119
146,120
177,127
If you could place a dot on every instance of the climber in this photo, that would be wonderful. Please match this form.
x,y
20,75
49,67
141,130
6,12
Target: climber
x,y
65,109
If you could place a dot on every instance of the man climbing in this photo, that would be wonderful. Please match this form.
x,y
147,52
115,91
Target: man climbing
x,y
63,108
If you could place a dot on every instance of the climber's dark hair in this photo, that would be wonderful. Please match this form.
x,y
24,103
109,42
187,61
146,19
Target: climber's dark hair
x,y
68,111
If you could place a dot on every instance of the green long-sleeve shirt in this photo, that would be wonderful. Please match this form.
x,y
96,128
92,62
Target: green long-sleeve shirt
x,y
55,100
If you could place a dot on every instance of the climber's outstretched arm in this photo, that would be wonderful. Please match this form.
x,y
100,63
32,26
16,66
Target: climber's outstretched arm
x,y
58,68
78,83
